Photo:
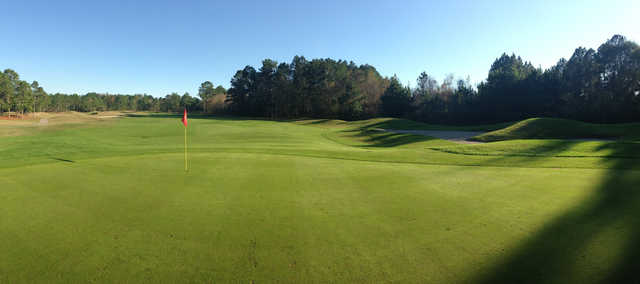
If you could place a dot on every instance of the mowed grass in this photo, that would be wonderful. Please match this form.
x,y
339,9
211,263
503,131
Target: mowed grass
x,y
310,201
555,128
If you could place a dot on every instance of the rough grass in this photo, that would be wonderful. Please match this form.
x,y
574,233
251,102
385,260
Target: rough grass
x,y
310,201
554,128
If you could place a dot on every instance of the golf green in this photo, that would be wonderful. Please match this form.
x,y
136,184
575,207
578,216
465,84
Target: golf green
x,y
310,201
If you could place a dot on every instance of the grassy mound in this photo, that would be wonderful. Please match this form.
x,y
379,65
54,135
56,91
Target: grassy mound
x,y
405,124
554,128
370,132
399,124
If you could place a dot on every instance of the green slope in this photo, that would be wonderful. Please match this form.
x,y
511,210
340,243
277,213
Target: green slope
x,y
554,128
400,124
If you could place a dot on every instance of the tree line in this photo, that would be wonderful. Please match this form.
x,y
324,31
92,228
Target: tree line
x,y
303,88
600,85
18,96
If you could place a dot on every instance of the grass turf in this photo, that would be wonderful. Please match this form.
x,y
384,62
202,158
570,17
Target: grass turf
x,y
555,128
310,201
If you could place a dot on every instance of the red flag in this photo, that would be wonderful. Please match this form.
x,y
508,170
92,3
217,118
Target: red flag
x,y
184,118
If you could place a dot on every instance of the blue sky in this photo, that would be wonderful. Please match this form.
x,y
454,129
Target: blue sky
x,y
158,47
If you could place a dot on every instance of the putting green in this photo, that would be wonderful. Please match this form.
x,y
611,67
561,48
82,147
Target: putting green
x,y
309,201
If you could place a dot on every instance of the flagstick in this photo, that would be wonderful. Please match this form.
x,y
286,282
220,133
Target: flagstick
x,y
185,149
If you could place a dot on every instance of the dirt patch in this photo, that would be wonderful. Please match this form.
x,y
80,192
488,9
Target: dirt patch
x,y
50,121
12,117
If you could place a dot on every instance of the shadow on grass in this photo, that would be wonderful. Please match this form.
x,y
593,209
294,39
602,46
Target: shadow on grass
x,y
548,149
378,138
528,155
63,160
319,121
564,246
389,139
404,124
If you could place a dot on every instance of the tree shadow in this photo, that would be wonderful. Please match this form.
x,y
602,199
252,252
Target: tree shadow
x,y
551,149
551,254
524,157
390,139
312,122
63,160
378,138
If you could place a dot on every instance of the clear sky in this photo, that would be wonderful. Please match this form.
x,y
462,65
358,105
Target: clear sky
x,y
158,47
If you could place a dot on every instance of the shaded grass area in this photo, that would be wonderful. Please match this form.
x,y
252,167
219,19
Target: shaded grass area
x,y
367,133
594,241
366,137
312,201
404,124
554,128
548,148
399,124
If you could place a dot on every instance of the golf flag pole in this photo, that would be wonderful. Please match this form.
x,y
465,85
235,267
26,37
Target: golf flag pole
x,y
184,121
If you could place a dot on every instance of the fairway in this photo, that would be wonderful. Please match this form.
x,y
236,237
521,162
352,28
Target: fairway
x,y
84,199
